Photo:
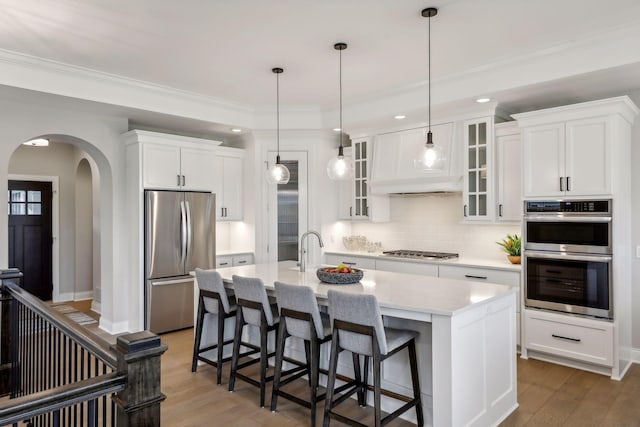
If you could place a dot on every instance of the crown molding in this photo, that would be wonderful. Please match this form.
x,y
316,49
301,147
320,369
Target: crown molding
x,y
44,75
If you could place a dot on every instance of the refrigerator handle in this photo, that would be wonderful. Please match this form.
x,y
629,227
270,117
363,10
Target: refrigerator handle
x,y
189,230
183,233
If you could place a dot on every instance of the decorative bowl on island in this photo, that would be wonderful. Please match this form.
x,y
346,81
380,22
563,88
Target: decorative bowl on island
x,y
340,275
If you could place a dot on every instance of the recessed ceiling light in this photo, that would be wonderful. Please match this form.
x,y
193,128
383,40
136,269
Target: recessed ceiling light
x,y
399,116
483,100
236,130
38,142
337,129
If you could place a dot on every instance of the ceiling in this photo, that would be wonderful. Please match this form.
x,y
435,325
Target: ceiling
x,y
225,49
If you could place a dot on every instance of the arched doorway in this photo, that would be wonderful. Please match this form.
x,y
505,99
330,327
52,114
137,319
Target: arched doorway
x,y
73,174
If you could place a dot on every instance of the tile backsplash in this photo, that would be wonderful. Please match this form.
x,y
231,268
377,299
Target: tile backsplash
x,y
428,222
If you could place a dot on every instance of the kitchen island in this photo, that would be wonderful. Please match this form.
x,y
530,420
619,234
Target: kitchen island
x,y
466,348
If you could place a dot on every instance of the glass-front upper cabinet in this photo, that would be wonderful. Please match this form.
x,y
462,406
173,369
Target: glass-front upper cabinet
x,y
360,176
478,178
354,199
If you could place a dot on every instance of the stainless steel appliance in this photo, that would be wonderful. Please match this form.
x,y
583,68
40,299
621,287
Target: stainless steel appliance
x,y
179,237
430,255
568,255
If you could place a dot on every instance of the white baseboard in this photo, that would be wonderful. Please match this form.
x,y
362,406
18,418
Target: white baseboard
x,y
64,296
635,355
96,306
81,296
113,327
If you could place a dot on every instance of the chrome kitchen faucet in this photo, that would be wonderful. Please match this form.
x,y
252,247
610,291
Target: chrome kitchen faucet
x,y
303,251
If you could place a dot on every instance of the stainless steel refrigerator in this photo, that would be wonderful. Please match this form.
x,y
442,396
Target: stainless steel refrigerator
x,y
179,237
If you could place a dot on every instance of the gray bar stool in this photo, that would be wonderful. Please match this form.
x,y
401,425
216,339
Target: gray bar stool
x,y
300,318
254,309
358,328
212,301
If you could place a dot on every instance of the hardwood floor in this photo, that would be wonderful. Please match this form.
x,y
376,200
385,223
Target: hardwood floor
x,y
554,395
548,394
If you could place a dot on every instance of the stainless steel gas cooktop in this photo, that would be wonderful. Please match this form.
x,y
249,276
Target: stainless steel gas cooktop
x,y
402,253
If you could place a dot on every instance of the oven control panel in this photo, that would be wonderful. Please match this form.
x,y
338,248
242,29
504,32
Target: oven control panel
x,y
569,206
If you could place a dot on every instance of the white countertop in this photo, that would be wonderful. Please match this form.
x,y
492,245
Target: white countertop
x,y
396,291
462,262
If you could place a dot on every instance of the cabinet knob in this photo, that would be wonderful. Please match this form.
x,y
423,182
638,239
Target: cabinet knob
x,y
178,180
568,184
561,183
500,209
464,211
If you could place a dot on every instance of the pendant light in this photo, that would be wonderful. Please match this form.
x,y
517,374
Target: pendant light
x,y
278,173
339,167
431,157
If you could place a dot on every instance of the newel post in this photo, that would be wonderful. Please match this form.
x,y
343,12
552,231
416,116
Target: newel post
x,y
139,359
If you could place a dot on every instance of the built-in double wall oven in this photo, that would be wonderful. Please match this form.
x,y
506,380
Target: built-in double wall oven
x,y
568,255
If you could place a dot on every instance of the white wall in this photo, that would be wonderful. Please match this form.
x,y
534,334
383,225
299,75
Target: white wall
x,y
429,222
83,232
99,137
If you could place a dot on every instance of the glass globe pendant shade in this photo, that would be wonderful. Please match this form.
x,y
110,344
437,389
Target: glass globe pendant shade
x,y
431,157
339,168
278,173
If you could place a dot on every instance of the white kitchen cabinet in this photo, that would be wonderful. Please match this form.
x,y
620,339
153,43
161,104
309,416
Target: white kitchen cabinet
x,y
508,173
420,268
228,185
568,157
168,166
573,337
477,196
242,259
354,261
355,201
224,261
233,260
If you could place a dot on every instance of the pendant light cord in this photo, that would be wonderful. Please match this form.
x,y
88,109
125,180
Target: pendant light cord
x,y
340,74
278,114
429,56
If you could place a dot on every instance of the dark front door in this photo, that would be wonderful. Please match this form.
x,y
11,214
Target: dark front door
x,y
30,237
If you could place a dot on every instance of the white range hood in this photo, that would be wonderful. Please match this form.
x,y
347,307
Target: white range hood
x,y
392,171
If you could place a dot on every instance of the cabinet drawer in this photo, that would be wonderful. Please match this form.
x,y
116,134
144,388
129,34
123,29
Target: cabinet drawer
x,y
244,259
569,336
358,262
407,267
224,261
510,278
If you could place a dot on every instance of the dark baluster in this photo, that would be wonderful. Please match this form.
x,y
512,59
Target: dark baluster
x,y
82,377
91,411
16,342
30,350
104,400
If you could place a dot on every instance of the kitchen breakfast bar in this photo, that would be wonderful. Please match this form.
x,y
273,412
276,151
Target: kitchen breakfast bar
x,y
466,348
